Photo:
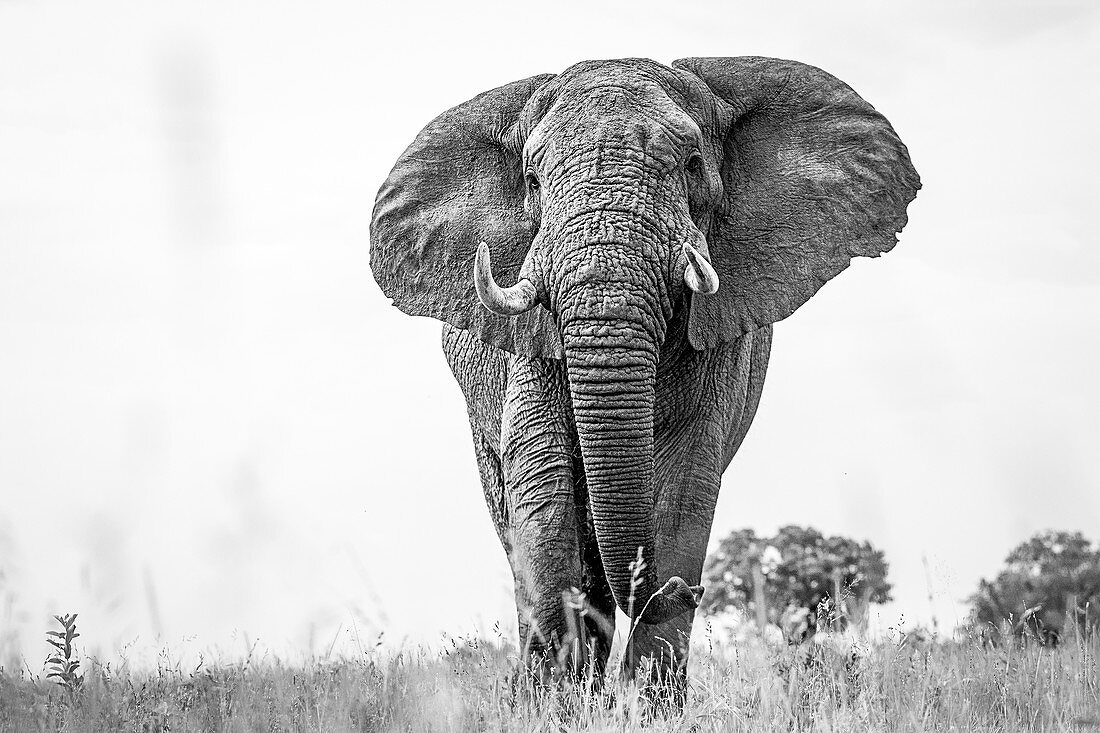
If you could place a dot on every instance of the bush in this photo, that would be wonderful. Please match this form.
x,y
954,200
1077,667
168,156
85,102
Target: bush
x,y
1052,577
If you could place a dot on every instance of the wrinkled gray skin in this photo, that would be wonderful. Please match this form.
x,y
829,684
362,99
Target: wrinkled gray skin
x,y
609,400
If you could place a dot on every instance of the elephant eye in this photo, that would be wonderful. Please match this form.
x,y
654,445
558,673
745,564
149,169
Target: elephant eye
x,y
694,165
695,180
532,181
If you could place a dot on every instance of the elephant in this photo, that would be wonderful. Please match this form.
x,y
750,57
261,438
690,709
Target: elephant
x,y
608,249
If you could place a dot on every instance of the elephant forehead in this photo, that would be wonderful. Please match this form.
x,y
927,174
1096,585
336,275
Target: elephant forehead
x,y
672,89
641,124
608,105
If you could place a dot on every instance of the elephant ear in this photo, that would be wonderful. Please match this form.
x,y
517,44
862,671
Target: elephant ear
x,y
813,176
458,184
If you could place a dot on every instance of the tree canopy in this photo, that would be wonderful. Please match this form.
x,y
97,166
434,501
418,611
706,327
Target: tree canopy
x,y
800,569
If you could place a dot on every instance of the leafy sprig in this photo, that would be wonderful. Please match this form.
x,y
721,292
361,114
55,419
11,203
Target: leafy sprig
x,y
61,663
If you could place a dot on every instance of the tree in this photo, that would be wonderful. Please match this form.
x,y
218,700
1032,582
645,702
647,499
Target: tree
x,y
796,574
1052,577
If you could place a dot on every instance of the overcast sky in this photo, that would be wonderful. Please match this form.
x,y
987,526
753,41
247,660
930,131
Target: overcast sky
x,y
213,424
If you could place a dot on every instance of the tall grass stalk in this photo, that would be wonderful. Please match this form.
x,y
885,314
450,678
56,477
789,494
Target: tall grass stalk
x,y
832,684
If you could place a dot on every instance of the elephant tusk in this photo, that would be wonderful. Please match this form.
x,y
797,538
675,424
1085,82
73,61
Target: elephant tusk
x,y
699,274
512,301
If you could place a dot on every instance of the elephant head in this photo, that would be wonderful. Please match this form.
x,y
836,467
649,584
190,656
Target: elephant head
x,y
576,216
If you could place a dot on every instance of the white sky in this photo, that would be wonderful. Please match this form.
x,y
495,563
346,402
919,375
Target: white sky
x,y
213,424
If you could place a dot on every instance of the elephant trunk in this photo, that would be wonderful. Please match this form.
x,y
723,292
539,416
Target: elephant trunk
x,y
612,363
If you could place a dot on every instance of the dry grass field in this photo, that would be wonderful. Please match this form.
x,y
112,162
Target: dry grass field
x,y
470,685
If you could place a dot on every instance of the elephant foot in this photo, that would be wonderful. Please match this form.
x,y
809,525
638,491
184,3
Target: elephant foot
x,y
672,599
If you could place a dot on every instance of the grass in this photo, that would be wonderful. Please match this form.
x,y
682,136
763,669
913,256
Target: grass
x,y
471,685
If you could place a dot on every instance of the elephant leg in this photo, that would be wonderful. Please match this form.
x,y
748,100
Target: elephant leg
x,y
691,454
537,461
661,650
